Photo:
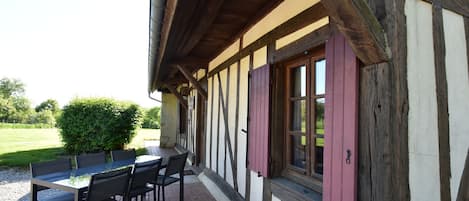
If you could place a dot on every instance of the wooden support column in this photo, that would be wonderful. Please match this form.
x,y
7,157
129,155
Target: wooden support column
x,y
442,100
192,80
360,27
178,95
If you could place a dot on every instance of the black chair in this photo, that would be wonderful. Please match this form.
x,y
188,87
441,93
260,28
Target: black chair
x,y
49,167
86,160
142,175
175,166
117,155
106,185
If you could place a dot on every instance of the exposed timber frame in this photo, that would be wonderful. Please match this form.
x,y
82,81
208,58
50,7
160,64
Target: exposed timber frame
x,y
360,27
178,95
442,100
466,27
227,133
383,121
458,6
192,80
311,14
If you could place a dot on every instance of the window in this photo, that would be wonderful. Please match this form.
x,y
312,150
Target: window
x,y
304,136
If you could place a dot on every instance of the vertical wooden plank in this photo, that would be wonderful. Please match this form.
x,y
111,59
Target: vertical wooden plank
x,y
338,121
466,28
442,100
329,116
218,126
374,136
350,132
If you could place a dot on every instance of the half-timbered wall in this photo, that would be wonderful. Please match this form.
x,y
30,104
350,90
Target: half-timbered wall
x,y
438,87
228,91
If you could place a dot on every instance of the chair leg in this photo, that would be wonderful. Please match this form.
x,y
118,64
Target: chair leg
x,y
163,192
158,193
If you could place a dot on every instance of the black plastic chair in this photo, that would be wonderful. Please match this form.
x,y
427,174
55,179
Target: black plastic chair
x,y
106,185
86,160
175,166
117,155
49,167
142,175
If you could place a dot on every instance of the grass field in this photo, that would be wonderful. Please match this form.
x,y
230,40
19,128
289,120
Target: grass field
x,y
19,147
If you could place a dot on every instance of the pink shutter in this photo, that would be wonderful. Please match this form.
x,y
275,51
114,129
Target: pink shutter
x,y
340,174
258,133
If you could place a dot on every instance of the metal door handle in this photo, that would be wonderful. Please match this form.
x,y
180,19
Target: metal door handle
x,y
349,154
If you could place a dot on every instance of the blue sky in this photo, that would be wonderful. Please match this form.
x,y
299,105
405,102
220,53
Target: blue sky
x,y
63,49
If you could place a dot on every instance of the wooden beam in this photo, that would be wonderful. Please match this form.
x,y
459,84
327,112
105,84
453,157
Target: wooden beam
x,y
442,100
211,122
191,61
301,20
463,191
466,27
458,6
357,23
227,132
307,42
192,80
181,99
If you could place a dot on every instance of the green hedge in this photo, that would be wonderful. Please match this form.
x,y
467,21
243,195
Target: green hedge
x,y
18,125
96,124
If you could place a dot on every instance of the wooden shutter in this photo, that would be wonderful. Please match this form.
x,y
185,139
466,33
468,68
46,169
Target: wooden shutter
x,y
258,133
340,174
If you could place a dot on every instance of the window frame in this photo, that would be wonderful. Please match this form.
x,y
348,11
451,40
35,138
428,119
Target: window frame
x,y
312,180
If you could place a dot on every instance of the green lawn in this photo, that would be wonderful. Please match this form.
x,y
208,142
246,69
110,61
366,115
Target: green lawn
x,y
19,147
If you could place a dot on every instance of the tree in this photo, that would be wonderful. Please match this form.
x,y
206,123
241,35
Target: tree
x,y
49,104
11,87
152,118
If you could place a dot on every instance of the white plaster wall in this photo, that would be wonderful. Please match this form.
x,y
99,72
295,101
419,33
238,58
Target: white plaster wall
x,y
275,198
242,124
169,119
257,186
458,94
209,126
423,131
215,124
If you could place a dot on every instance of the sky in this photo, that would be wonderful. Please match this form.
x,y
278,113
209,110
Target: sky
x,y
62,49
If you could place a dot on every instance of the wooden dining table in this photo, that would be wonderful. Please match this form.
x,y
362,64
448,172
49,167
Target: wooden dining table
x,y
76,181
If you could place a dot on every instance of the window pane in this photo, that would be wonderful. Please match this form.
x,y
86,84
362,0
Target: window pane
x,y
298,81
319,140
319,111
320,76
298,118
298,152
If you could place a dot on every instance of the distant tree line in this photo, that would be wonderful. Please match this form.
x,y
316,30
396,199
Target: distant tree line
x,y
15,107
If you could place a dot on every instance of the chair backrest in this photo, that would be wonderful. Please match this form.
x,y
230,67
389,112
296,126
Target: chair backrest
x,y
176,164
104,185
144,173
86,160
49,167
117,155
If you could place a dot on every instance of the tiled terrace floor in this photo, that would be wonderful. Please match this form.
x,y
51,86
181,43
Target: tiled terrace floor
x,y
194,190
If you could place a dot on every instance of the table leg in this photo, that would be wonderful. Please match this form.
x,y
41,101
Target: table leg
x,y
33,192
78,195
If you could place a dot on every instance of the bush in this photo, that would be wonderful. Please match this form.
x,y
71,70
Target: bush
x,y
43,117
95,124
152,118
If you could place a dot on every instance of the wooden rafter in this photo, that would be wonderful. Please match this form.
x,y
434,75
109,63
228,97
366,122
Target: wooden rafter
x,y
181,99
192,80
358,24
